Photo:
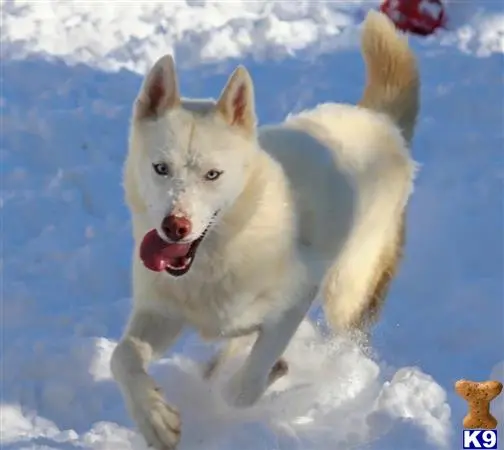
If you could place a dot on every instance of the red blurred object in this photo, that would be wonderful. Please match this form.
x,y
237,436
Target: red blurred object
x,y
422,17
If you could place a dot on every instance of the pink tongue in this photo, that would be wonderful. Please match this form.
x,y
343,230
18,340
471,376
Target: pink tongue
x,y
157,254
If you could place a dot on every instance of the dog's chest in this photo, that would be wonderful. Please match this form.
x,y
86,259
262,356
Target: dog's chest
x,y
220,308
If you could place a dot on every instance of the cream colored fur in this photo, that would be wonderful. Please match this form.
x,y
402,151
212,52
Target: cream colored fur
x,y
314,204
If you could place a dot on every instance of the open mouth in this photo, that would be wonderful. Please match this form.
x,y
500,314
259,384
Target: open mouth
x,y
175,258
179,265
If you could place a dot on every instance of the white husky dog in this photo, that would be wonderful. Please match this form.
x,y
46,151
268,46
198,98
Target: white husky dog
x,y
237,229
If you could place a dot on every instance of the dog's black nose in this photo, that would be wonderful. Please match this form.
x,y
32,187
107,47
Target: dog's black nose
x,y
176,227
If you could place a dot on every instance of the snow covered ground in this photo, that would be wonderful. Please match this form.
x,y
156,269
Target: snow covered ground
x,y
112,35
70,70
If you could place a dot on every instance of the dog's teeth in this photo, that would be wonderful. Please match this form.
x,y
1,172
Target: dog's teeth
x,y
189,261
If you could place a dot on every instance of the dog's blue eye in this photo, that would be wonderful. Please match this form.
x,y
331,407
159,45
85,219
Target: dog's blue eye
x,y
161,169
213,174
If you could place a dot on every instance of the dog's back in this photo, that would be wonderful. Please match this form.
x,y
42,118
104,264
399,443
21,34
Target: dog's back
x,y
351,174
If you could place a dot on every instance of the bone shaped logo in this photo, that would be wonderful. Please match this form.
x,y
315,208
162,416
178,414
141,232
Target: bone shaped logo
x,y
478,396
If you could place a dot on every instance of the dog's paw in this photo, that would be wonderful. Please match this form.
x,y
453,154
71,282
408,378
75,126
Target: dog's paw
x,y
280,369
209,368
157,421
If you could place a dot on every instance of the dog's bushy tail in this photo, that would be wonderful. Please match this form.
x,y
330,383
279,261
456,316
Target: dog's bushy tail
x,y
393,81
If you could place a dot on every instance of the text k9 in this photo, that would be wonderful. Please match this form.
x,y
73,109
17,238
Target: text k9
x,y
474,439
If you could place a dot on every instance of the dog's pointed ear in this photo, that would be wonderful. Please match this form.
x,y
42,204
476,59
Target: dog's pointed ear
x,y
159,91
236,102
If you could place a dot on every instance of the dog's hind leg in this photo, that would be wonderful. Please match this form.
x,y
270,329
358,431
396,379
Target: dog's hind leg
x,y
231,348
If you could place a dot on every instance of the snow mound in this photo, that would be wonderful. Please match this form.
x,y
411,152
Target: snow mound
x,y
334,395
133,35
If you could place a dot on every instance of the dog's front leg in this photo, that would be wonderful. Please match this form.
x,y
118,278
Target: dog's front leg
x,y
249,383
147,336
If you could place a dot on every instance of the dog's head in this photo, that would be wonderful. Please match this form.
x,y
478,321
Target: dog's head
x,y
188,162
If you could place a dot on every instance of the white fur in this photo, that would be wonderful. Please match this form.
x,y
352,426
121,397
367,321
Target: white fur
x,y
306,205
